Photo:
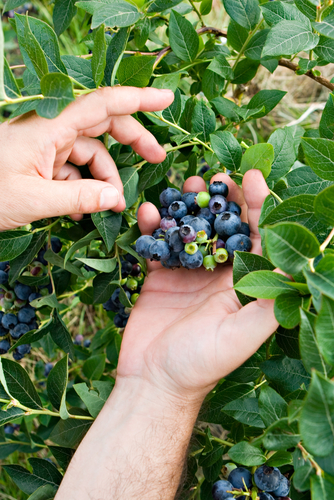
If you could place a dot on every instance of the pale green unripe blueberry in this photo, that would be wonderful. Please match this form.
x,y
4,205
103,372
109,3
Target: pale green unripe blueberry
x,y
202,199
191,248
227,469
134,298
203,250
221,255
209,263
132,284
201,237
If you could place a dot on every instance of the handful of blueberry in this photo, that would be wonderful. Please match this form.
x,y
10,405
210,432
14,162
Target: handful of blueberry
x,y
267,482
196,229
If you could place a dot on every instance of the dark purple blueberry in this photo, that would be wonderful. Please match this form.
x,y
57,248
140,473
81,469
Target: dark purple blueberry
x,y
169,233
126,268
267,478
159,250
111,306
3,277
178,209
220,489
9,321
175,242
36,271
220,244
34,296
189,200
19,330
4,265
203,170
186,219
218,187
87,343
200,224
227,224
233,207
4,346
205,213
56,244
168,196
263,495
239,242
26,314
40,257
33,325
158,233
191,261
47,368
173,261
22,291
238,476
131,258
136,270
244,229
143,246
163,211
187,233
21,351
78,339
120,320
167,222
217,204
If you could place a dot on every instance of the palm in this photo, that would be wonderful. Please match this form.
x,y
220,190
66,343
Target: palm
x,y
190,327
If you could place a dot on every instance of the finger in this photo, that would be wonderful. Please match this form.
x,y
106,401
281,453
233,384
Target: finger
x,y
90,110
234,193
68,173
149,220
194,184
255,192
101,165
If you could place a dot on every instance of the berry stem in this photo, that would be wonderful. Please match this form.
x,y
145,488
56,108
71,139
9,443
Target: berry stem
x,y
327,241
197,12
44,411
218,440
276,196
45,228
309,457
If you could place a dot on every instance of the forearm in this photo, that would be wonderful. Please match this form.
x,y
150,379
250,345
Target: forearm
x,y
135,449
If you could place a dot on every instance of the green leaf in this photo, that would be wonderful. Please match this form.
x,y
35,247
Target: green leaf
x,y
94,367
120,14
45,492
99,55
19,384
323,277
245,454
151,174
46,470
255,46
160,5
83,242
60,335
57,260
321,488
283,144
192,169
130,179
203,120
319,154
326,127
33,336
129,236
62,455
290,246
272,406
27,482
57,384
248,371
289,37
182,37
10,415
263,285
91,399
104,286
244,12
173,112
115,50
304,181
308,8
58,94
245,71
259,156
12,4
70,432
13,244
34,51
286,309
280,458
212,84
10,84
142,31
324,205
227,149
274,12
287,374
226,108
325,49
221,66
309,346
326,26
317,417
245,411
135,71
205,7
169,81
108,227
63,13
281,435
324,328
236,35
103,265
244,263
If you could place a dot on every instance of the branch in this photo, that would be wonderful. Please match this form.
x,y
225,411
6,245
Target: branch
x,y
320,79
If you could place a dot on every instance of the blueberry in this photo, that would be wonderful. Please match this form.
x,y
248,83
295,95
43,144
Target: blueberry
x,y
227,468
221,255
233,207
238,476
33,325
3,331
244,229
115,298
4,265
205,213
4,346
217,204
167,222
1,315
175,242
202,199
47,368
40,256
220,244
159,250
56,244
203,170
78,339
87,343
173,261
3,277
22,291
178,209
143,246
187,233
239,242
209,263
34,296
189,200
227,224
134,298
9,321
163,211
22,350
267,478
186,219
126,268
218,187
19,330
111,306
120,320
220,489
131,258
26,314
265,496
168,196
158,233
200,224
136,270
191,261
283,489
9,429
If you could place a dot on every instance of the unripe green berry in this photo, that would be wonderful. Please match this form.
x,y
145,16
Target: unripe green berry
x,y
134,298
191,248
227,469
132,284
221,255
140,278
202,199
201,237
203,250
44,292
209,263
123,281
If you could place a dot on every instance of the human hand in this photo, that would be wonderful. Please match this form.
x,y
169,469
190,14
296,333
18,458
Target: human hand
x,y
35,152
188,329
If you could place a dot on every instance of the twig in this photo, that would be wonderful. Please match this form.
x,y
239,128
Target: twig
x,y
320,79
327,241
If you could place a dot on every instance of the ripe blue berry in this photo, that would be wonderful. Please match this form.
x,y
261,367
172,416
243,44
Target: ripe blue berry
x,y
238,476
26,314
4,265
233,207
40,256
239,242
158,233
3,331
191,261
187,233
227,224
34,296
217,204
131,258
22,292
283,488
111,306
204,169
244,229
56,244
220,489
168,196
167,222
218,187
78,339
205,213
47,368
173,261
186,219
178,209
21,351
200,224
263,495
159,250
120,320
19,330
4,346
143,246
9,321
267,478
87,343
33,325
189,200
175,242
3,277
126,268
163,211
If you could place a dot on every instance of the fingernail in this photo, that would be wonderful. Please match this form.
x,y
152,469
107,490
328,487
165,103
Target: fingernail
x,y
109,198
123,199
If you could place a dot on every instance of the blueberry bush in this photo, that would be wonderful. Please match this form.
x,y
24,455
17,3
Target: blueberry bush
x,y
277,410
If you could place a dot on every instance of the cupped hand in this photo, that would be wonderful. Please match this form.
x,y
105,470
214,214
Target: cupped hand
x,y
37,155
188,328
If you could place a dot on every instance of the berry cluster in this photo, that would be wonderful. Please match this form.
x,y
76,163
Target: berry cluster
x,y
132,279
196,229
18,316
269,481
